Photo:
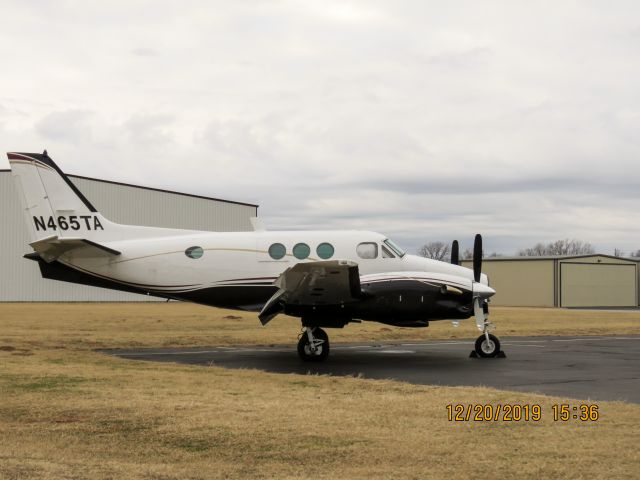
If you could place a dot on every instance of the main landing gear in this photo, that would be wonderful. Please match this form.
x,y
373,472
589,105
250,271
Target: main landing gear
x,y
313,345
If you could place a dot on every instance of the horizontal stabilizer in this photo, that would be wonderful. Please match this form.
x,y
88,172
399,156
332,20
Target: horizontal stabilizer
x,y
50,248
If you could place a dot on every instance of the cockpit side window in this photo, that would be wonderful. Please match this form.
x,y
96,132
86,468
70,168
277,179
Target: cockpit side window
x,y
394,248
386,253
367,250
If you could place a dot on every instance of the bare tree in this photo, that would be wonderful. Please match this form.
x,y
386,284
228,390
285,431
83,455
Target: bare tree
x,y
435,250
559,247
467,254
617,252
538,250
635,254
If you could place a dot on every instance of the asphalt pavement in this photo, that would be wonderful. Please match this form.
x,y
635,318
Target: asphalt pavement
x,y
586,368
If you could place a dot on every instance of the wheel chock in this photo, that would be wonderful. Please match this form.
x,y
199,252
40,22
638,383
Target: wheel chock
x,y
500,354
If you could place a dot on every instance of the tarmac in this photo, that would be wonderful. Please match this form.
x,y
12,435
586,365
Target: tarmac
x,y
585,368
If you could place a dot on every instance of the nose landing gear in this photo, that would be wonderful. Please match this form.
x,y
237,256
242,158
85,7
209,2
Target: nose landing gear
x,y
313,345
487,345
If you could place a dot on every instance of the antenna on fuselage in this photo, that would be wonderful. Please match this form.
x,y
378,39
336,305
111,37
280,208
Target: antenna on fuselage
x,y
257,224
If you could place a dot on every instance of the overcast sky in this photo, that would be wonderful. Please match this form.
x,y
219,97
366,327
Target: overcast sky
x,y
424,121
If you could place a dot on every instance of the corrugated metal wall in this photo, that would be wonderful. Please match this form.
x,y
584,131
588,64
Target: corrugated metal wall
x,y
598,285
597,281
519,282
563,281
20,279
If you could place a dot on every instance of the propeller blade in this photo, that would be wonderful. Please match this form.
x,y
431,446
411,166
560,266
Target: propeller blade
x,y
455,253
477,257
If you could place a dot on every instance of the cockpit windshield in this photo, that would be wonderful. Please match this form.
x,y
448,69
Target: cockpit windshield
x,y
395,248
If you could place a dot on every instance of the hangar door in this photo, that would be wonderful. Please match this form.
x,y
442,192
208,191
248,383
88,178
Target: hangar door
x,y
597,285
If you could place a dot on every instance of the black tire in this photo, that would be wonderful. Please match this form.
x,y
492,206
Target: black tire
x,y
485,350
323,350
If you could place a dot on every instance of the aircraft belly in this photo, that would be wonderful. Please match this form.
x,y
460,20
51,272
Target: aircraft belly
x,y
246,297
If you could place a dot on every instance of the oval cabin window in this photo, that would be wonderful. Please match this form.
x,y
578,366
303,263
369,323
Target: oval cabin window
x,y
194,252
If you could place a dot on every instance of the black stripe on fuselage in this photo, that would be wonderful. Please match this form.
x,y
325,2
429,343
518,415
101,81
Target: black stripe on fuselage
x,y
58,271
238,297
182,288
418,279
417,302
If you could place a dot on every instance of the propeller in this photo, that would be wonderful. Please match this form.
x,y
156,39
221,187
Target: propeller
x,y
455,253
477,257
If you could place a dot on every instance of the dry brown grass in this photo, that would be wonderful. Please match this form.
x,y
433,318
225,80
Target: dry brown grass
x,y
95,325
68,412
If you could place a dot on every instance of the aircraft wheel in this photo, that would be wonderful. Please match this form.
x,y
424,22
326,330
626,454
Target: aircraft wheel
x,y
321,342
486,348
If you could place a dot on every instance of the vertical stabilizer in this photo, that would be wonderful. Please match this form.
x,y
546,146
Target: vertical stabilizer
x,y
52,205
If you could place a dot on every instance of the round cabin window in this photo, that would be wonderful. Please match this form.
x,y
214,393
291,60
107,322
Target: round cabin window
x,y
194,252
277,251
301,251
325,251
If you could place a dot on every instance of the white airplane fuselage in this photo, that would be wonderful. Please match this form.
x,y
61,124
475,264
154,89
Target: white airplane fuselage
x,y
351,275
236,270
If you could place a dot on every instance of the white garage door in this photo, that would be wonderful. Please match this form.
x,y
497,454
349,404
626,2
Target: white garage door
x,y
597,285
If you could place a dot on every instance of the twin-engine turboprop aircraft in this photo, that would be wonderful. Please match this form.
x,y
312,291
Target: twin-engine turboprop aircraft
x,y
327,278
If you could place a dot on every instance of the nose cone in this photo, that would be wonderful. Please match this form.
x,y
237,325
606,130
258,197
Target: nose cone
x,y
485,291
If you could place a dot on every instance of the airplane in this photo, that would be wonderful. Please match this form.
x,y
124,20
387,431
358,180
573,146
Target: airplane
x,y
326,278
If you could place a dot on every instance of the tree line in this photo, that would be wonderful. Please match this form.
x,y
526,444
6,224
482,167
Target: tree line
x,y
442,251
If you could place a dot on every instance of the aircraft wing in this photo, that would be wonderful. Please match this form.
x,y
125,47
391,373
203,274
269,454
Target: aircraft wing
x,y
313,284
50,248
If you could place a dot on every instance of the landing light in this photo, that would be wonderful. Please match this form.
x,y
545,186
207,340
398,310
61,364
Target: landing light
x,y
449,289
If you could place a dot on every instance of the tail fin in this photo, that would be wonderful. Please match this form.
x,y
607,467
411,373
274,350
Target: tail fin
x,y
52,204
57,212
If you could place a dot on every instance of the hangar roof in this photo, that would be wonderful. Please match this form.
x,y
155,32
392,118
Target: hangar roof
x,y
553,257
153,189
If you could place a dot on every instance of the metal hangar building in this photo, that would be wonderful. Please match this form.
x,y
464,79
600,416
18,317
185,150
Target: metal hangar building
x,y
20,279
563,281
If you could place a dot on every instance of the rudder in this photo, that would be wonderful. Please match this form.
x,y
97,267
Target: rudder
x,y
52,204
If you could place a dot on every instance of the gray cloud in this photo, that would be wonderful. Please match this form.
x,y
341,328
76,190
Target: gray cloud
x,y
65,126
149,130
144,52
423,120
465,185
